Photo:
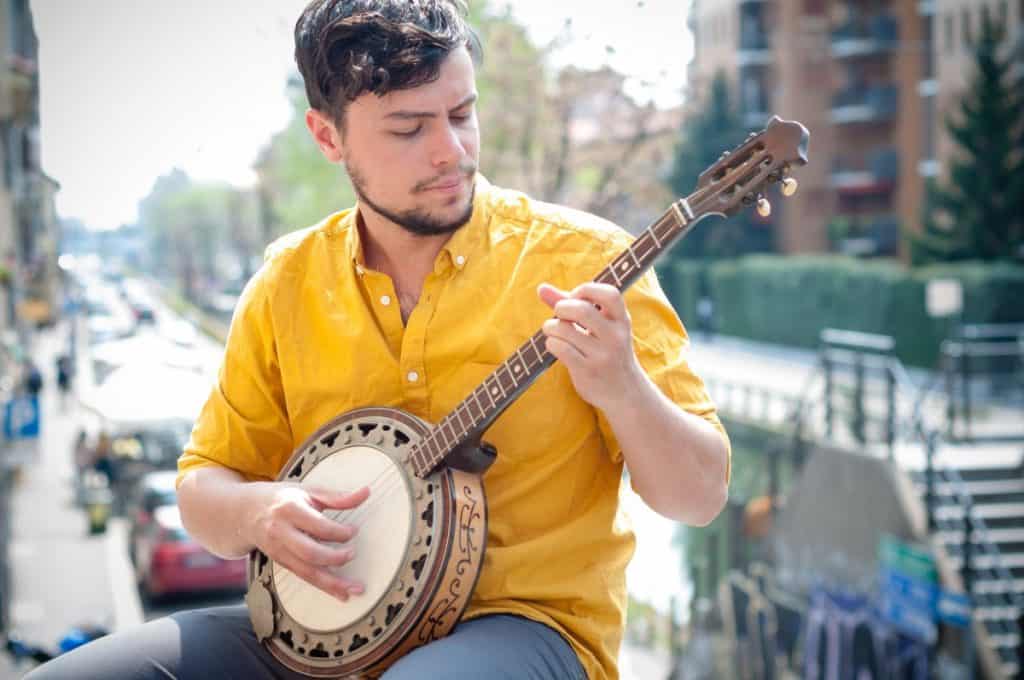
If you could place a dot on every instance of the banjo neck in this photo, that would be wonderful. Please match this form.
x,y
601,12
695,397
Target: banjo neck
x,y
732,183
473,415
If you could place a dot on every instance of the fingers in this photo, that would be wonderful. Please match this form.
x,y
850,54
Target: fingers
x,y
323,577
565,352
297,535
607,298
336,500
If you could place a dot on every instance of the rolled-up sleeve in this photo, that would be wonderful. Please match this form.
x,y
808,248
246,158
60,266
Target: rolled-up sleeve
x,y
244,424
660,342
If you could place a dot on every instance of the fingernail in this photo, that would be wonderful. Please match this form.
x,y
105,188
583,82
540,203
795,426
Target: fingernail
x,y
356,588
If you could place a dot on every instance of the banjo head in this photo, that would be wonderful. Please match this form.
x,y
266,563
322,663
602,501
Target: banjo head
x,y
411,533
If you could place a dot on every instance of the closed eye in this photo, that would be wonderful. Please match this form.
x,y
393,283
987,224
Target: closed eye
x,y
410,133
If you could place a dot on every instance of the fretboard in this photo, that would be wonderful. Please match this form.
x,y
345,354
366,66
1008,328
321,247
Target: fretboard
x,y
474,414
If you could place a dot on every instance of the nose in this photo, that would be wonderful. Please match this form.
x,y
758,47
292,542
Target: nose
x,y
446,147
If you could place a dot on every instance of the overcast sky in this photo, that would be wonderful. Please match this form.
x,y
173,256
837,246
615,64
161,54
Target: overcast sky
x,y
133,88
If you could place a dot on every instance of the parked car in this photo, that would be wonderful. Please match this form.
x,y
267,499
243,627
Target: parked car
x,y
168,560
154,490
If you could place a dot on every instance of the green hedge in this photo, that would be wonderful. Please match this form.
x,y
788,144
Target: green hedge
x,y
789,300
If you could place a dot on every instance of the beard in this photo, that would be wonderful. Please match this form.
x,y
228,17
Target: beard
x,y
418,221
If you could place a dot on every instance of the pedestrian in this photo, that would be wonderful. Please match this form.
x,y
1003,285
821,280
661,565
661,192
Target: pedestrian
x,y
64,373
409,300
32,379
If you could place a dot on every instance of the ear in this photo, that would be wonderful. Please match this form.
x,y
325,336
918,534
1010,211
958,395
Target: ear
x,y
325,134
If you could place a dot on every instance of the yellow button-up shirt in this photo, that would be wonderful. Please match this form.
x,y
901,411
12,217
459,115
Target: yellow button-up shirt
x,y
317,333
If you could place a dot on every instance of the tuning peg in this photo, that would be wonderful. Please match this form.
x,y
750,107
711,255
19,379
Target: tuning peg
x,y
764,208
789,186
725,154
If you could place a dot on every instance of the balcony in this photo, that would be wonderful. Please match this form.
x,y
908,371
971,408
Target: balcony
x,y
755,48
865,104
864,236
878,174
875,35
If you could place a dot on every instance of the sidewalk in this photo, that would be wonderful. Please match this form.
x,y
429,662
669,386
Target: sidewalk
x,y
60,575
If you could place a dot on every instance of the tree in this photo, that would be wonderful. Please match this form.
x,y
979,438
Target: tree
x,y
979,212
298,186
705,134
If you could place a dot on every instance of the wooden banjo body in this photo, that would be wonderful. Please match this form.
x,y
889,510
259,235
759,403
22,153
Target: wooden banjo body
x,y
418,552
423,530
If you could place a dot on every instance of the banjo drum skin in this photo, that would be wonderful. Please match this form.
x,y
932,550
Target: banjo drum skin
x,y
419,551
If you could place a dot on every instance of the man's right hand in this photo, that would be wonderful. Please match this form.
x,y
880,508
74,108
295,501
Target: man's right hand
x,y
288,524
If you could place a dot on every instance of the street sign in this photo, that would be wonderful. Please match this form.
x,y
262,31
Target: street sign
x,y
908,601
909,619
954,609
916,561
944,297
21,418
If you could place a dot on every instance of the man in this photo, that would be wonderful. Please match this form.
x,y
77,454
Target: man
x,y
409,300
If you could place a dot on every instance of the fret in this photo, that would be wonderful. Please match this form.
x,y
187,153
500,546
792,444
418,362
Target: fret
x,y
509,368
647,253
476,401
495,387
420,455
618,281
654,235
487,392
462,423
439,435
505,371
537,352
632,252
451,436
668,235
624,266
519,367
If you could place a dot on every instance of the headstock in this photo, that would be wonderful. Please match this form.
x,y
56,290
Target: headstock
x,y
739,177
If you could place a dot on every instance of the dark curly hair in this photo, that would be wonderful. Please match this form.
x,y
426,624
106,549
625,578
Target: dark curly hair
x,y
345,48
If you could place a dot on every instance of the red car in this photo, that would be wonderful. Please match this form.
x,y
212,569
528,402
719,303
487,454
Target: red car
x,y
169,561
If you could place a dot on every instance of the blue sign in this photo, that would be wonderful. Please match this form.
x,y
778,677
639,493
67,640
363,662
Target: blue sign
x,y
911,620
954,609
908,601
21,418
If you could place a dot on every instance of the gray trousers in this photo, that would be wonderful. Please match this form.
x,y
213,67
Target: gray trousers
x,y
219,643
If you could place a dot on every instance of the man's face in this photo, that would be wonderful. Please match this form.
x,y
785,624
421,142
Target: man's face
x,y
412,154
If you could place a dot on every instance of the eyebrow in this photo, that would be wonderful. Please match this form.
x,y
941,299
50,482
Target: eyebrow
x,y
412,115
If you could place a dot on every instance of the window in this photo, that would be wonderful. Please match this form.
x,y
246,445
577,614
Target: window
x,y
950,30
965,28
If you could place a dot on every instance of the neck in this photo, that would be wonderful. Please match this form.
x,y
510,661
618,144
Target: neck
x,y
392,250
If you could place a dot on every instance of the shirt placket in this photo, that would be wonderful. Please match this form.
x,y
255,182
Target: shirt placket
x,y
380,291
415,374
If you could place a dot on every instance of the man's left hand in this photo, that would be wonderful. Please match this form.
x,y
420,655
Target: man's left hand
x,y
592,335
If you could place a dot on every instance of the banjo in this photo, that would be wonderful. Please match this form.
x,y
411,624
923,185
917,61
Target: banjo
x,y
423,531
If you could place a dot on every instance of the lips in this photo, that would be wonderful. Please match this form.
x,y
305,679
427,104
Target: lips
x,y
446,185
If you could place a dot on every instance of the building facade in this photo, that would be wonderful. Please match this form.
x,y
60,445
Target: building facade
x,y
874,81
28,220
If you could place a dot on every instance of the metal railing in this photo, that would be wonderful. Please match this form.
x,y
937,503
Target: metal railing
x,y
982,355
977,540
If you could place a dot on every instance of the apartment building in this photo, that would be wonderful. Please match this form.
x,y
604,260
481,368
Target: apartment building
x,y
28,221
874,80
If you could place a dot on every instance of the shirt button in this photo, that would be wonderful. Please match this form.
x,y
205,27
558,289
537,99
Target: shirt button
x,y
413,376
460,260
385,300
